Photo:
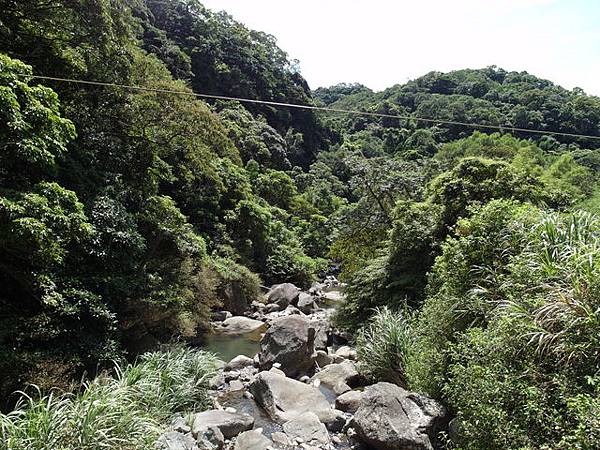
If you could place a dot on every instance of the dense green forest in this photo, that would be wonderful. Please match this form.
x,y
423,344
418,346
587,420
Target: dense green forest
x,y
126,216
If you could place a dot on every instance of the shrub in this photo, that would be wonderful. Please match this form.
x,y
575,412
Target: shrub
x,y
234,281
383,346
121,412
508,336
463,286
367,290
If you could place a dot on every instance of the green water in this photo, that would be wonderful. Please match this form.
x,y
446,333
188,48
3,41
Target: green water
x,y
227,347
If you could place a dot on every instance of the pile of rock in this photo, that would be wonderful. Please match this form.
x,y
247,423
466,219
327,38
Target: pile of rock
x,y
309,391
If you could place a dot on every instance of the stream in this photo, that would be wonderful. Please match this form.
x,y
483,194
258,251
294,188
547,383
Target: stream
x,y
228,346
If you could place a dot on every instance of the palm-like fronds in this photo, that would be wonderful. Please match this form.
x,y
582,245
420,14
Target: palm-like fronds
x,y
563,259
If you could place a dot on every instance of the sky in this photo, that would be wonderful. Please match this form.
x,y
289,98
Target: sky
x,y
380,43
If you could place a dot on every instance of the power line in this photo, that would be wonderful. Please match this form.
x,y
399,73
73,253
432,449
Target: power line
x,y
311,107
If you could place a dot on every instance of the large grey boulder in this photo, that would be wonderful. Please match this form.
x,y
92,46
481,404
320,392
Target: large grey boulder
x,y
252,440
290,342
173,440
240,325
335,375
230,424
285,399
392,418
306,303
322,328
349,402
283,294
234,298
308,429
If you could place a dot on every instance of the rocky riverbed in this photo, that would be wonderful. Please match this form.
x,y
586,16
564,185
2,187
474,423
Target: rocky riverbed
x,y
302,389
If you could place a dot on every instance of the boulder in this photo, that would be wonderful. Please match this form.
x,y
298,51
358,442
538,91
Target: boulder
x,y
281,439
240,325
323,358
283,294
236,385
306,303
173,440
210,439
308,429
346,352
234,298
290,311
230,424
349,402
390,418
334,296
239,362
336,374
322,328
340,388
290,342
285,399
252,440
271,308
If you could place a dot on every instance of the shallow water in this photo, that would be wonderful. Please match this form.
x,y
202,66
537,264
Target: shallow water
x,y
227,346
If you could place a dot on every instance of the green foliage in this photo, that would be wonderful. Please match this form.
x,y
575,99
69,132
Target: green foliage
x,y
126,411
487,96
229,59
414,240
255,139
237,279
125,216
470,264
32,132
383,346
476,181
367,290
268,246
508,335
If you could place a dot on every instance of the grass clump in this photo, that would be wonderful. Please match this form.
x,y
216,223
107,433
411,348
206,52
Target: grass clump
x,y
124,411
383,346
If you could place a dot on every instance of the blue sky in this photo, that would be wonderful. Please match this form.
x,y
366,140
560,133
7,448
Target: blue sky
x,y
383,42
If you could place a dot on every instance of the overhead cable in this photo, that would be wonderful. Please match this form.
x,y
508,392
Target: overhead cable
x,y
313,107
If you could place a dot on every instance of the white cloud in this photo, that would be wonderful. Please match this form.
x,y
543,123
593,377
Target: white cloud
x,y
383,42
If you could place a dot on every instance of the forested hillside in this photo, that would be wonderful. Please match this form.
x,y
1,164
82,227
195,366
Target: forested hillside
x,y
127,216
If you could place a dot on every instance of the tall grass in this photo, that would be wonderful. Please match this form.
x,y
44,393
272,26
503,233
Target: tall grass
x,y
383,346
121,412
563,259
